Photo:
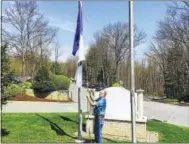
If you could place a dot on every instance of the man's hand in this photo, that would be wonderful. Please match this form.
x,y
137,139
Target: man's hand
x,y
88,90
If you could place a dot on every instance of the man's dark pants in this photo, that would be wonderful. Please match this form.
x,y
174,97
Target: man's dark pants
x,y
99,121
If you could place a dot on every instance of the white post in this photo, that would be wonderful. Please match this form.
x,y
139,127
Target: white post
x,y
140,103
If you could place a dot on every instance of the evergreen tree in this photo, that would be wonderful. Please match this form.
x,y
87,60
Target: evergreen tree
x,y
6,73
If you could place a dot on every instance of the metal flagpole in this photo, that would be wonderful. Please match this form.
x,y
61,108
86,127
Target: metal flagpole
x,y
79,138
131,40
80,64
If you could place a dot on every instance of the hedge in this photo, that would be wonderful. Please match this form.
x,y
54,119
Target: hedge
x,y
61,82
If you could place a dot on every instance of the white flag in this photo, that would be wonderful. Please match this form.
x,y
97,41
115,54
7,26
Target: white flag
x,y
78,76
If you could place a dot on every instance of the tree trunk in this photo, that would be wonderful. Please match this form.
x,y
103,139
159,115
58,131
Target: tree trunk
x,y
23,66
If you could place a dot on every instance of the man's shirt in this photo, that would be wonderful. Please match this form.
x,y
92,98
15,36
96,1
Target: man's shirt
x,y
100,106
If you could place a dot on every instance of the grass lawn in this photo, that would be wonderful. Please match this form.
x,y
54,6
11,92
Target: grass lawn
x,y
169,133
60,127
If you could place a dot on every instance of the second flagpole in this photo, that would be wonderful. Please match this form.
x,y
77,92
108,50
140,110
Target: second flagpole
x,y
132,92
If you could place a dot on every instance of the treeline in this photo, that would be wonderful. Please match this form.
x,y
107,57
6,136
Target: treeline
x,y
170,50
165,70
28,36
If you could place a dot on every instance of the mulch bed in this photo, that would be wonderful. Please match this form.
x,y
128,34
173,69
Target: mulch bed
x,y
30,98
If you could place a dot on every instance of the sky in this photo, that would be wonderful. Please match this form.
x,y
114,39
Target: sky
x,y
96,15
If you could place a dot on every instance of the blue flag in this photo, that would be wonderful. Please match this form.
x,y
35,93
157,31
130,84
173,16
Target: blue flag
x,y
78,46
79,30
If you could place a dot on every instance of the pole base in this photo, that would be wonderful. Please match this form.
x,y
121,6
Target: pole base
x,y
79,141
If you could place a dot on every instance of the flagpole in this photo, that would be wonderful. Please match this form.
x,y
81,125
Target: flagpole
x,y
132,93
79,42
79,114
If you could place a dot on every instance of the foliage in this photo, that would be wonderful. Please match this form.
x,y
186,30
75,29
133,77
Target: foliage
x,y
170,49
61,82
15,64
43,74
27,85
14,90
116,85
42,80
70,66
109,49
6,73
32,35
44,86
56,69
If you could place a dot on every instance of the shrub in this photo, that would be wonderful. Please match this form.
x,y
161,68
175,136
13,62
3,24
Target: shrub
x,y
61,82
43,74
42,81
27,85
116,85
14,90
44,86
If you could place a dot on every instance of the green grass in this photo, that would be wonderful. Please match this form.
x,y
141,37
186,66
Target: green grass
x,y
30,128
169,133
61,127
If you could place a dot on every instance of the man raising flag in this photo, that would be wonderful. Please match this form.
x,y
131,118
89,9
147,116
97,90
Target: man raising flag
x,y
79,49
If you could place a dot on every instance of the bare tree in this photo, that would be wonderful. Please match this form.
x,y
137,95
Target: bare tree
x,y
71,66
170,49
118,37
111,46
30,33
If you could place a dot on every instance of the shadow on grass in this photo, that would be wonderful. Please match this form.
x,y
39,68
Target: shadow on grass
x,y
4,132
70,120
56,128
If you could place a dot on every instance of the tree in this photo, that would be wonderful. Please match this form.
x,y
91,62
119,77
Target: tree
x,y
6,72
30,35
56,69
170,49
70,67
117,35
43,80
110,48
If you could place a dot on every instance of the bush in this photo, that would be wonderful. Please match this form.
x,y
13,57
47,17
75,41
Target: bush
x,y
14,90
27,85
43,74
42,81
116,85
44,86
61,82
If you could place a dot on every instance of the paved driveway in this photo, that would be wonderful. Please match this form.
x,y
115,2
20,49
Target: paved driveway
x,y
153,110
166,112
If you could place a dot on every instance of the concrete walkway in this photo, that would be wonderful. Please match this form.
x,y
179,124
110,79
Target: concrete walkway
x,y
178,115
41,107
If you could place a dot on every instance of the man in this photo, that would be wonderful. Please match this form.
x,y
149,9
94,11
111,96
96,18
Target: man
x,y
99,112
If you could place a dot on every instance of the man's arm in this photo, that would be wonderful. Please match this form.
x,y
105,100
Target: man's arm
x,y
91,95
92,103
90,99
